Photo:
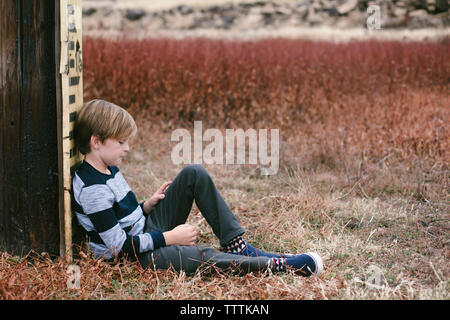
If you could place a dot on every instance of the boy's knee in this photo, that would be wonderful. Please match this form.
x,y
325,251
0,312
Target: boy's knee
x,y
195,169
186,258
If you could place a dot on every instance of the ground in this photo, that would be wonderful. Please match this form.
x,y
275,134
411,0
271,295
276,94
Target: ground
x,y
297,210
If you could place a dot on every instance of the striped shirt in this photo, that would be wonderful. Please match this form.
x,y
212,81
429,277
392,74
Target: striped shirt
x,y
108,210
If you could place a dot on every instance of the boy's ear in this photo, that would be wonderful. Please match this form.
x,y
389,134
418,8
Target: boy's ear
x,y
94,142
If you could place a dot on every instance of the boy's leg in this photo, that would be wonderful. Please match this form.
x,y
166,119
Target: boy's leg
x,y
190,258
194,182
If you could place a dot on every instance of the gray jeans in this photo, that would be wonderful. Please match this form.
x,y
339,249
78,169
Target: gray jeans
x,y
194,183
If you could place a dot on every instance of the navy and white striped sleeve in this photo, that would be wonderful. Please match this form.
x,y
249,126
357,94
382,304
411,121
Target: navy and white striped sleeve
x,y
97,202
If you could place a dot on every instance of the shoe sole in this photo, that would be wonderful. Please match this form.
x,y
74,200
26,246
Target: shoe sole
x,y
318,261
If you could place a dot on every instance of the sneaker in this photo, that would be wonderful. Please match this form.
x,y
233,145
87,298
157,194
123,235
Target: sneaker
x,y
305,264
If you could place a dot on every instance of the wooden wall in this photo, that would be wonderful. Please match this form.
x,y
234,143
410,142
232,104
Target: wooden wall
x,y
29,196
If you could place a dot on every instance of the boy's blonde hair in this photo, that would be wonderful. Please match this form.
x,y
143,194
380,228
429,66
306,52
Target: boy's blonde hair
x,y
104,120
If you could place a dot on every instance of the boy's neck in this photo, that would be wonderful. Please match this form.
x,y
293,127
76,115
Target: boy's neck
x,y
98,164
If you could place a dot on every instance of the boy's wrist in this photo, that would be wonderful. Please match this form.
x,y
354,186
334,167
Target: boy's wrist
x,y
147,207
158,239
168,237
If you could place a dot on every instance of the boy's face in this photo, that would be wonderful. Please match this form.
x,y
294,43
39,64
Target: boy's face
x,y
112,151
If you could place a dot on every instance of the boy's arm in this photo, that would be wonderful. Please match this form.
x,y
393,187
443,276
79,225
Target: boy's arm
x,y
183,234
149,204
146,208
97,202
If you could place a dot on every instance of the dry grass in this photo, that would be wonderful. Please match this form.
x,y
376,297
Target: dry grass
x,y
367,99
289,212
293,211
363,181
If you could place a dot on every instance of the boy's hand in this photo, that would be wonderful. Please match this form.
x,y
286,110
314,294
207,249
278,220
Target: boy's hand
x,y
184,234
158,195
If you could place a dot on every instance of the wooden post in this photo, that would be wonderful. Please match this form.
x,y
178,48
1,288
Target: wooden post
x,y
28,144
35,141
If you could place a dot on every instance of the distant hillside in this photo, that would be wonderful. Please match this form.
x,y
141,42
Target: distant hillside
x,y
148,18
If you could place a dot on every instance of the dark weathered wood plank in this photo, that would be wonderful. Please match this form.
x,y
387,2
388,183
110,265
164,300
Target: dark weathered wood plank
x,y
11,181
29,170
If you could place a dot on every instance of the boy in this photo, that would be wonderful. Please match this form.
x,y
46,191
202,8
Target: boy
x,y
154,231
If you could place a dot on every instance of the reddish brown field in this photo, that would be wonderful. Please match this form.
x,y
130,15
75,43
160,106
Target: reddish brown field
x,y
339,105
375,98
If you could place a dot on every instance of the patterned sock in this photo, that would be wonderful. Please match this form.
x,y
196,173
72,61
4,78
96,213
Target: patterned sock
x,y
239,246
235,246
